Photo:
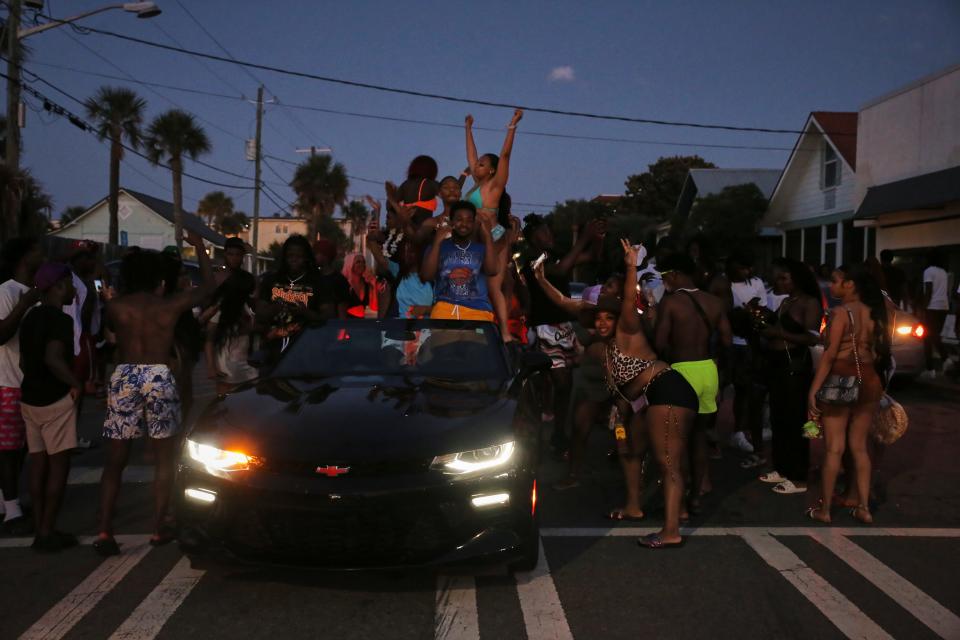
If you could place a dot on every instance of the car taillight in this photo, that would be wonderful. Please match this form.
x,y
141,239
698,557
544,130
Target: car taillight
x,y
919,331
915,330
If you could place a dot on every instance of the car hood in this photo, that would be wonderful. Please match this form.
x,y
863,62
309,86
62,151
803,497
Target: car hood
x,y
359,419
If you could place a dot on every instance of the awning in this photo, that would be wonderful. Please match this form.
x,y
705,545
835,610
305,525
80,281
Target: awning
x,y
928,191
803,223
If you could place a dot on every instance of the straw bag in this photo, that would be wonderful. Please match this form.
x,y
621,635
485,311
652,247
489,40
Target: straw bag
x,y
890,422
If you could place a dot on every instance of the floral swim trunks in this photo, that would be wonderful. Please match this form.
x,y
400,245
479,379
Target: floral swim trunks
x,y
142,398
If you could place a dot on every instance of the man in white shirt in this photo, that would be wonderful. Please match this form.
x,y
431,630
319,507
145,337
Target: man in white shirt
x,y
20,257
936,305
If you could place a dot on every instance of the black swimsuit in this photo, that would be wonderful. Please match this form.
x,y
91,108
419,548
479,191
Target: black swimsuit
x,y
666,388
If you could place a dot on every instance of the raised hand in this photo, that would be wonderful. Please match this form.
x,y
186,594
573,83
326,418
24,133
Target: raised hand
x,y
194,240
596,229
517,117
468,121
373,202
629,253
444,231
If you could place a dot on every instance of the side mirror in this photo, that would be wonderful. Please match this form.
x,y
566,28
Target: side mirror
x,y
531,362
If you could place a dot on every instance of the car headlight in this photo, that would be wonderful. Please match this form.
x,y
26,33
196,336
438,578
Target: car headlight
x,y
468,462
215,459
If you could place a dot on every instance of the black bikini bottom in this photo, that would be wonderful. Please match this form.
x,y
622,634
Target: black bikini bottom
x,y
672,388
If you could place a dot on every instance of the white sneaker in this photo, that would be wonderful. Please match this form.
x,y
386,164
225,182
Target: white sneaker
x,y
739,441
767,434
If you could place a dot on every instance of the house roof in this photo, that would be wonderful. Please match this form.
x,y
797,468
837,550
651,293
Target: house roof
x,y
707,182
191,222
164,209
840,128
927,191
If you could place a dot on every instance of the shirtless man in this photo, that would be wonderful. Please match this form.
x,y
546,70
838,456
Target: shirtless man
x,y
687,321
143,398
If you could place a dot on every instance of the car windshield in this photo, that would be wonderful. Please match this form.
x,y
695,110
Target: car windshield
x,y
441,349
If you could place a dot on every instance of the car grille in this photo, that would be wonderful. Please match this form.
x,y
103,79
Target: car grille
x,y
376,468
360,532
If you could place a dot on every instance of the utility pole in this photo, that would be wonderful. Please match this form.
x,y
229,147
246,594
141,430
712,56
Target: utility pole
x,y
12,158
258,155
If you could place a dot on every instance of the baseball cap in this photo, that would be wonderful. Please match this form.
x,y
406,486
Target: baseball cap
x,y
49,274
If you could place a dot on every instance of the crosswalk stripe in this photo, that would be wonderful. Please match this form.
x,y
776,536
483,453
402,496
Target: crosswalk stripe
x,y
543,613
845,615
900,532
455,617
59,620
924,608
149,617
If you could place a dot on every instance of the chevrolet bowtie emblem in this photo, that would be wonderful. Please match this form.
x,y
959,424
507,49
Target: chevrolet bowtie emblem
x,y
332,471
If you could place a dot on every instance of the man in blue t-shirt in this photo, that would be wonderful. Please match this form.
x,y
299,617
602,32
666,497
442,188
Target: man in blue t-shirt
x,y
459,266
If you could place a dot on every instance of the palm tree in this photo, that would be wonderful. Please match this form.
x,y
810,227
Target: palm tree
x,y
216,207
71,213
117,114
356,214
172,135
234,223
320,185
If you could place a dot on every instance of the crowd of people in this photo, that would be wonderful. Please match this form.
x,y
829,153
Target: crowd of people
x,y
649,351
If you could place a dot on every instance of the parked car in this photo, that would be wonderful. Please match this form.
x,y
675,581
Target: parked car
x,y
906,345
371,444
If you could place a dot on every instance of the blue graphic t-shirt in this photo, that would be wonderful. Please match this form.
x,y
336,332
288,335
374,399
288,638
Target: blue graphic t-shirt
x,y
460,277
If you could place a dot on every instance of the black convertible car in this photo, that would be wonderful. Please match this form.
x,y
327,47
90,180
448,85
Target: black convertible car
x,y
371,444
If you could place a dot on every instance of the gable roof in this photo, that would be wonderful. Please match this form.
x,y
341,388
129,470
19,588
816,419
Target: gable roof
x,y
839,129
164,209
191,222
708,182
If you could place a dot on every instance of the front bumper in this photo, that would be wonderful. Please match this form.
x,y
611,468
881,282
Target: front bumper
x,y
337,523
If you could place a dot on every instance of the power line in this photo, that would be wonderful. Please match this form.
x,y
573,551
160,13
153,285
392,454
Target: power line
x,y
82,124
433,123
446,98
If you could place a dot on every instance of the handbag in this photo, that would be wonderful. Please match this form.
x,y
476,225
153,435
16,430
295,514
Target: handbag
x,y
843,390
890,422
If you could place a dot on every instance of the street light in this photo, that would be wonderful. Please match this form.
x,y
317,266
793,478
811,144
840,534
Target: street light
x,y
142,9
15,34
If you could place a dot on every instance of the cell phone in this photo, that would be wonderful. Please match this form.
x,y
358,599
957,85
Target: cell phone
x,y
539,261
98,285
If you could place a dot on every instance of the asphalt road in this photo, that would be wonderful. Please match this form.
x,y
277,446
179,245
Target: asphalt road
x,y
753,567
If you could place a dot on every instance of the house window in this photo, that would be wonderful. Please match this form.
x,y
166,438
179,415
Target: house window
x,y
831,167
277,230
286,229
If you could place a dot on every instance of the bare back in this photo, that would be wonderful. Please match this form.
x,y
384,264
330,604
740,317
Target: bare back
x,y
683,331
144,325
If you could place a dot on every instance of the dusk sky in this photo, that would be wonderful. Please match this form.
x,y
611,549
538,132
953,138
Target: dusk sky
x,y
755,64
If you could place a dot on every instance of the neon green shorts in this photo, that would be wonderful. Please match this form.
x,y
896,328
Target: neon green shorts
x,y
703,377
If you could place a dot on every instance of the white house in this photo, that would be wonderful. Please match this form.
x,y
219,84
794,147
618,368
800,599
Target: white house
x,y
908,180
144,221
813,204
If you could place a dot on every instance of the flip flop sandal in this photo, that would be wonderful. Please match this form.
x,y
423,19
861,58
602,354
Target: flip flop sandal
x,y
810,514
654,541
787,487
773,478
106,547
619,515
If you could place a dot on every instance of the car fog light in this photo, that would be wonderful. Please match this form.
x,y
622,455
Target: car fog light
x,y
490,500
200,495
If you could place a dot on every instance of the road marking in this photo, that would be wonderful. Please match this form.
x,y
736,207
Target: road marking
x,y
134,474
603,532
456,613
59,620
149,617
924,608
543,613
845,615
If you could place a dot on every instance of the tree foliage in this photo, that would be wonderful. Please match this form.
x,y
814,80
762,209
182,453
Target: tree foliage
x,y
34,202
655,192
117,115
728,218
357,214
234,223
71,213
320,184
215,207
171,136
